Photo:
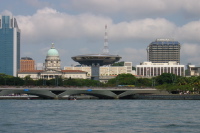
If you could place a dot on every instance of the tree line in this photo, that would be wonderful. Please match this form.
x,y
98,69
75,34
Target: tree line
x,y
166,81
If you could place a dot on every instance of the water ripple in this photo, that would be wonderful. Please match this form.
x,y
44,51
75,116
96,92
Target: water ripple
x,y
101,116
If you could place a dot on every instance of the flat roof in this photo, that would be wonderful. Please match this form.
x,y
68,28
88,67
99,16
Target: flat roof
x,y
165,43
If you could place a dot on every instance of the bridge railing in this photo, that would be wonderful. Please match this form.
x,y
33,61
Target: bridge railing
x,y
70,87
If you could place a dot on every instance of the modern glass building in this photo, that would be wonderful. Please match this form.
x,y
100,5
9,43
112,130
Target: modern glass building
x,y
163,51
9,45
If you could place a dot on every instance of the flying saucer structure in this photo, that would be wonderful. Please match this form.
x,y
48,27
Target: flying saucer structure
x,y
97,60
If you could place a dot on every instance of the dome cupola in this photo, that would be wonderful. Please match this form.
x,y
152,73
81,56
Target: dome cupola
x,y
52,51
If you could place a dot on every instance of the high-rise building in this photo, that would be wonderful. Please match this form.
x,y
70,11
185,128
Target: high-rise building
x,y
9,45
163,51
27,64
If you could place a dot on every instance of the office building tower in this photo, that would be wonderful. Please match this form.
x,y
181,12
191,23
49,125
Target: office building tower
x,y
27,64
163,51
9,45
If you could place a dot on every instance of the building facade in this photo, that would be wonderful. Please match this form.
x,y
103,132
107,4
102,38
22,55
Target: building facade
x,y
163,51
9,46
149,69
106,70
27,64
42,74
193,70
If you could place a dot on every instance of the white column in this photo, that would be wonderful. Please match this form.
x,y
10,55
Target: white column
x,y
139,68
150,71
146,71
156,71
143,71
160,70
153,71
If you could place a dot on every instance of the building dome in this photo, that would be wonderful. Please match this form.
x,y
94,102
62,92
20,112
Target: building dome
x,y
52,51
52,61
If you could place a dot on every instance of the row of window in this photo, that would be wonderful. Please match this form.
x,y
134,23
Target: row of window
x,y
155,71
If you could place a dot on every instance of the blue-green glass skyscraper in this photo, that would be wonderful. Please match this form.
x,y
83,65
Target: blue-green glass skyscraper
x,y
9,45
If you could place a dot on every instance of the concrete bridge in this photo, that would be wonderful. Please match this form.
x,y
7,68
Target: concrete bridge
x,y
101,93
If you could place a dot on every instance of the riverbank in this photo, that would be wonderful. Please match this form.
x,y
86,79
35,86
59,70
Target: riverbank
x,y
135,97
167,97
19,97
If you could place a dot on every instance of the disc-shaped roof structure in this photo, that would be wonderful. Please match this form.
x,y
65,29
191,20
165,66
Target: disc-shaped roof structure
x,y
96,59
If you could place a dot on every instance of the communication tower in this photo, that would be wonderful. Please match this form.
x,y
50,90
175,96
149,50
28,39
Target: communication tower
x,y
105,48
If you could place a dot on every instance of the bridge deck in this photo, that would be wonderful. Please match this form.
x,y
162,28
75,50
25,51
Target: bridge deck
x,y
59,92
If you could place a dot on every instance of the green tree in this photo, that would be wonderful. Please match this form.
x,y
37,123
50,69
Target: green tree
x,y
10,80
28,80
17,81
166,78
122,79
143,82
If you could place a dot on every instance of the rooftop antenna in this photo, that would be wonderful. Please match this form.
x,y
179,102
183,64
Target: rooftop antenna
x,y
105,48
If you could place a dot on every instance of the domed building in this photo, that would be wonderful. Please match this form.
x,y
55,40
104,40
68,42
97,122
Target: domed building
x,y
52,69
52,61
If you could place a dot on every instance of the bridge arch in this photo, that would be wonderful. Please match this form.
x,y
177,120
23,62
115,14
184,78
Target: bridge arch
x,y
42,93
101,94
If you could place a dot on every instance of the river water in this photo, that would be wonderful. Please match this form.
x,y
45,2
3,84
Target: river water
x,y
99,116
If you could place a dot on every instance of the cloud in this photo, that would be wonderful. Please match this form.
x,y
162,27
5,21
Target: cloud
x,y
6,13
139,7
190,50
37,3
49,24
189,32
135,55
191,8
143,29
83,32
190,53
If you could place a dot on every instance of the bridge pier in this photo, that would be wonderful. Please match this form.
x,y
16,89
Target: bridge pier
x,y
116,97
56,98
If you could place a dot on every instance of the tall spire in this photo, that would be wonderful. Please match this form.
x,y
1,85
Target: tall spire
x,y
105,48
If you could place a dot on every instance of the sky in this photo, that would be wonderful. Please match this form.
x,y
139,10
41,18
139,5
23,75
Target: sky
x,y
77,27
